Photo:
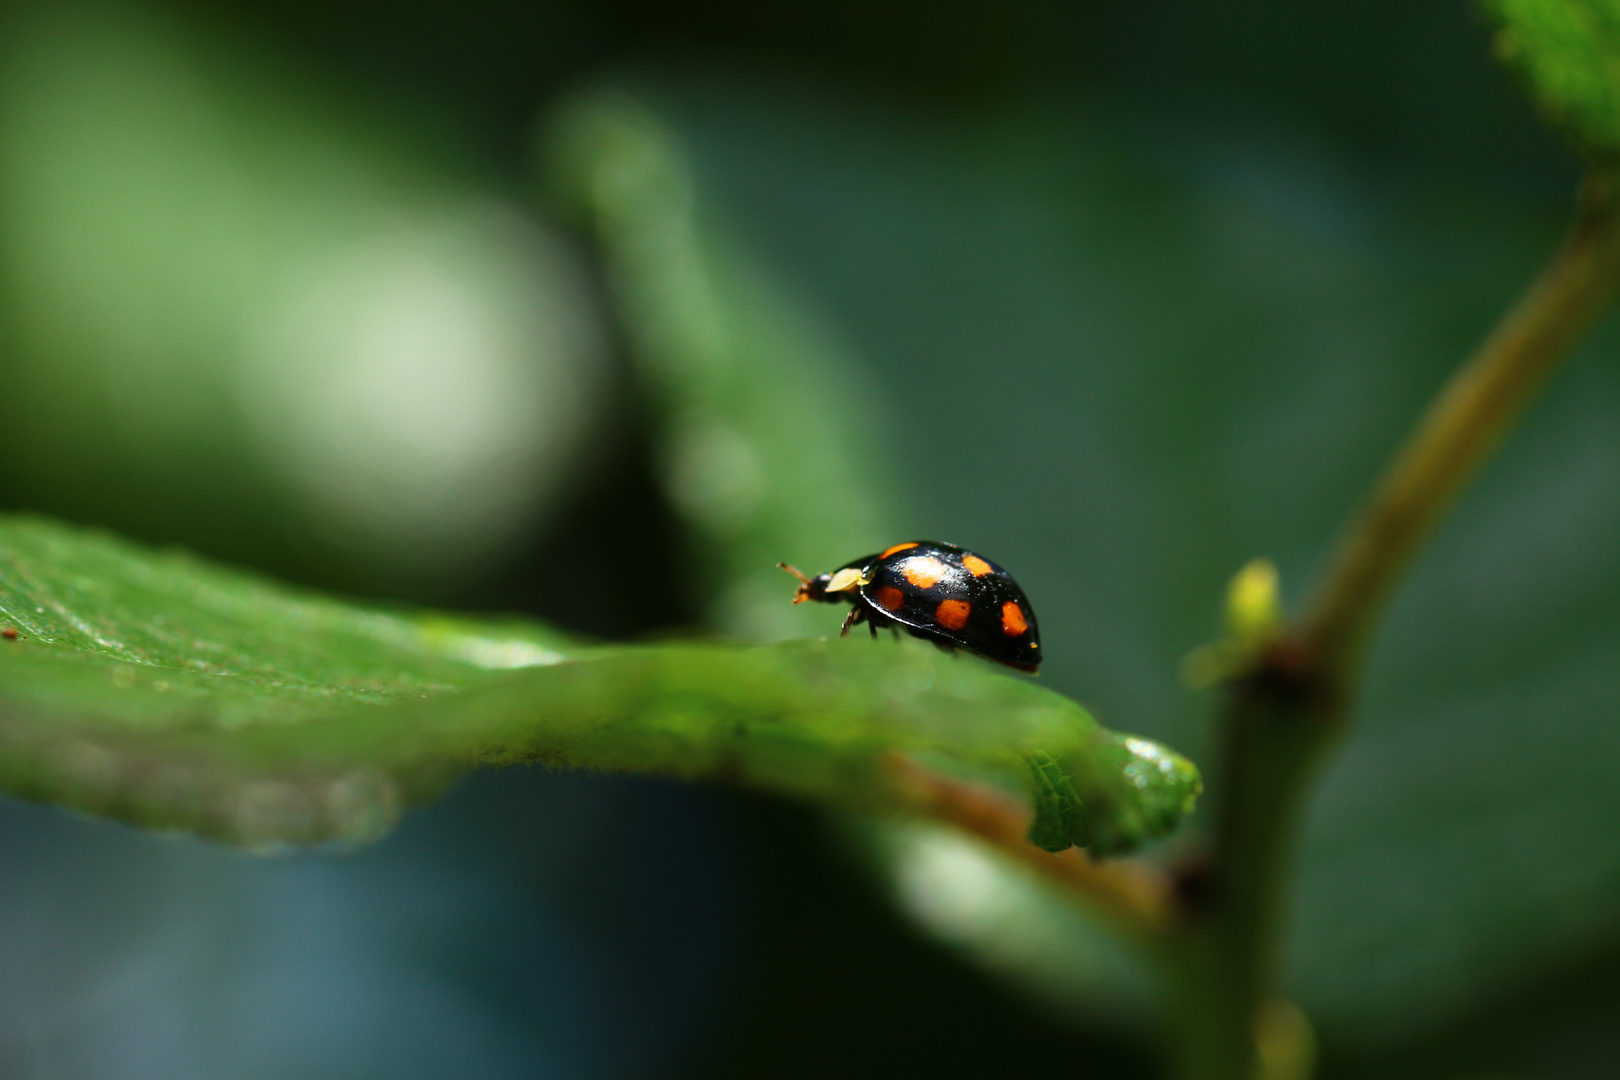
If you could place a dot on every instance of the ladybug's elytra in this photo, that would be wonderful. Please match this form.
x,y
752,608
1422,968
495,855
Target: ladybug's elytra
x,y
938,592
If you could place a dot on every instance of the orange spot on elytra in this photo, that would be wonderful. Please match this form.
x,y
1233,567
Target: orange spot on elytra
x,y
977,566
1013,623
923,571
890,597
952,614
898,547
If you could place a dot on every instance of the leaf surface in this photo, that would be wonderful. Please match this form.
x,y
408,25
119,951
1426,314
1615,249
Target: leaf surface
x,y
171,693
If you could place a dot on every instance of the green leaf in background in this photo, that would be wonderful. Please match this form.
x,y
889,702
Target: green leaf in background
x,y
763,423
1568,54
1020,926
174,694
245,311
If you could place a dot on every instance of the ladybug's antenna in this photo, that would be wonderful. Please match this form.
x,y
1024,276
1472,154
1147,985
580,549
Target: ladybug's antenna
x,y
805,587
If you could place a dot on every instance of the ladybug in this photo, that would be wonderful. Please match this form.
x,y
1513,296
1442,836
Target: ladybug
x,y
938,592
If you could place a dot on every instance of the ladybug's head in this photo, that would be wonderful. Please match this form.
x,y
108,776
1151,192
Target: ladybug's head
x,y
827,588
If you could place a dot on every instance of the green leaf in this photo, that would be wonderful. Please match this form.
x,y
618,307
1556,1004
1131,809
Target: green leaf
x,y
1568,54
171,693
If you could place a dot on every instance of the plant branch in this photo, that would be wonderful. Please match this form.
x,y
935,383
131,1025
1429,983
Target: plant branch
x,y
1464,423
1284,713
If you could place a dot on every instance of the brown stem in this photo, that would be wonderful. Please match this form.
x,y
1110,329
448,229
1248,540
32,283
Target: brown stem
x,y
1132,895
1464,423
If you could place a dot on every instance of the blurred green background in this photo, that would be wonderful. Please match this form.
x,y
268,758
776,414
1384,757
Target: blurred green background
x,y
596,311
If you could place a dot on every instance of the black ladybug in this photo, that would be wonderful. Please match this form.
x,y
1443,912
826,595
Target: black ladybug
x,y
938,592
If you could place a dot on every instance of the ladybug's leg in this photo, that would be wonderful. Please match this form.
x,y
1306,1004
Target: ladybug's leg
x,y
877,621
856,615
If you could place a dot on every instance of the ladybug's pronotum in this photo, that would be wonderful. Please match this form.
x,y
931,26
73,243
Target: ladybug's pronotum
x,y
939,592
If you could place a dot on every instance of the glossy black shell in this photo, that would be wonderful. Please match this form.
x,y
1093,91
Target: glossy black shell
x,y
908,583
